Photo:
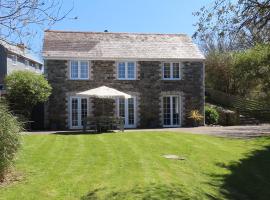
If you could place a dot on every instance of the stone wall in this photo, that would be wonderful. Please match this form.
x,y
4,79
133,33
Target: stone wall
x,y
148,88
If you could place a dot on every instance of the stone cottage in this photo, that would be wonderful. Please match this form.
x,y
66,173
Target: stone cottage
x,y
164,74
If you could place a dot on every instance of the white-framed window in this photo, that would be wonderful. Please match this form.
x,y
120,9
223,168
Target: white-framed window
x,y
171,71
171,111
14,59
79,69
126,108
78,111
126,70
27,64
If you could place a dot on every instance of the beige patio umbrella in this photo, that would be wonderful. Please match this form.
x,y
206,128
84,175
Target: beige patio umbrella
x,y
104,92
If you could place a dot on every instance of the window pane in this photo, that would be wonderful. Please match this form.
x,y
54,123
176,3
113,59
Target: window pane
x,y
175,109
166,70
131,111
121,70
84,69
83,109
166,111
74,112
131,70
121,108
176,70
74,69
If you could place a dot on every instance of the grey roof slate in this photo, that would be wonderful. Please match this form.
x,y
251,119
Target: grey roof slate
x,y
20,51
107,45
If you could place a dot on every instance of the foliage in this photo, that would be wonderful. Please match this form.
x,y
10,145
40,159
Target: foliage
x,y
245,73
9,139
20,20
252,72
211,115
25,89
239,24
219,71
195,116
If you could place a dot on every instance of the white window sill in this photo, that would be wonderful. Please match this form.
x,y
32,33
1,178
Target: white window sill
x,y
78,79
171,79
126,79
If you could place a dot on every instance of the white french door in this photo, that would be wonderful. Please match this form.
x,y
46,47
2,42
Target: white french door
x,y
78,111
171,111
126,108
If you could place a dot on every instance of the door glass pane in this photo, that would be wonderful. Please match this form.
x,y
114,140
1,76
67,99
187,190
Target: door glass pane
x,y
74,112
175,110
121,70
166,70
74,69
166,111
122,108
84,69
83,109
131,70
176,70
131,111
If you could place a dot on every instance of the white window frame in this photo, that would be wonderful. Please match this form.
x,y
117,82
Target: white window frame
x,y
79,70
126,112
171,113
126,70
171,71
14,59
79,111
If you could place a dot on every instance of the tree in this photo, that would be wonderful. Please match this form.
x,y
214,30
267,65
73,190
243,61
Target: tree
x,y
24,90
219,71
239,24
251,69
20,20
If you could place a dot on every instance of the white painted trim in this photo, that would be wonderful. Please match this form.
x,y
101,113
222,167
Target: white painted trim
x,y
126,69
179,109
126,111
171,71
79,111
79,70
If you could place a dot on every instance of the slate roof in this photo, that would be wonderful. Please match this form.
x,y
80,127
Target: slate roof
x,y
107,45
20,51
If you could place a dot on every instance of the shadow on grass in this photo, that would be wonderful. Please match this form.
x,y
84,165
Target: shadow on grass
x,y
150,192
80,133
249,178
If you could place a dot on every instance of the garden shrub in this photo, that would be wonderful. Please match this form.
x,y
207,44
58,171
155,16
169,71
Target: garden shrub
x,y
9,139
211,115
25,89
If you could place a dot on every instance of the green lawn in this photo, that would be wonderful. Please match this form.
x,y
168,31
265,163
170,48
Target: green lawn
x,y
131,166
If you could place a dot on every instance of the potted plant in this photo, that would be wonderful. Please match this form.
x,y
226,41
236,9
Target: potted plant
x,y
196,117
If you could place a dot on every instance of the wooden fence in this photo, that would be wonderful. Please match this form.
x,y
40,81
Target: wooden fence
x,y
246,107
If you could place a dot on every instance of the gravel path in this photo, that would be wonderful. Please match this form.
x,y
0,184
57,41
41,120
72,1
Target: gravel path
x,y
224,131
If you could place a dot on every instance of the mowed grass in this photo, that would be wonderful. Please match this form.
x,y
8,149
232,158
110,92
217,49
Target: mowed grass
x,y
131,166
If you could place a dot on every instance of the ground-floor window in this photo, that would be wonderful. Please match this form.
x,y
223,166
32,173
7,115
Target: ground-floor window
x,y
126,108
78,111
171,111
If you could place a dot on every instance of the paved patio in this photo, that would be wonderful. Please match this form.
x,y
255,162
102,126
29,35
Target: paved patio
x,y
223,131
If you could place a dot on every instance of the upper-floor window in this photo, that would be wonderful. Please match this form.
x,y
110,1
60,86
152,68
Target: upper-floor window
x,y
171,71
27,63
126,70
79,69
14,59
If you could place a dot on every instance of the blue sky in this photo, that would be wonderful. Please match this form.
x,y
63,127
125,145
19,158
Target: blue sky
x,y
150,16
